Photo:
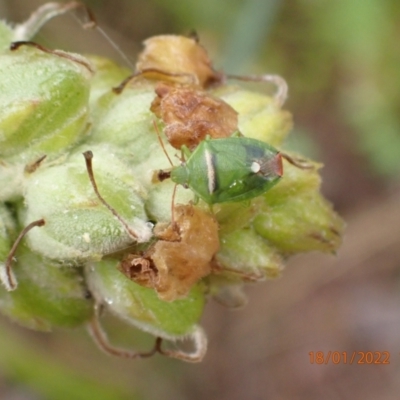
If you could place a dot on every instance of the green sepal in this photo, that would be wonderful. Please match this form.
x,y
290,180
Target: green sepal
x,y
78,226
48,294
244,254
295,217
125,120
141,306
259,116
107,75
43,103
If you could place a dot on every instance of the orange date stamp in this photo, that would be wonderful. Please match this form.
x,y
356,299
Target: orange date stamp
x,y
348,357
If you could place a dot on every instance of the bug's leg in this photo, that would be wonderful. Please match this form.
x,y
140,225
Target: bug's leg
x,y
297,162
100,338
45,13
80,60
199,340
281,85
6,275
173,207
157,74
88,159
185,153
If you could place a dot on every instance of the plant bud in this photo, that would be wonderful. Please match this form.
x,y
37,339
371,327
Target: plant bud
x,y
244,254
43,110
259,115
44,103
107,75
126,120
295,217
48,294
140,306
77,225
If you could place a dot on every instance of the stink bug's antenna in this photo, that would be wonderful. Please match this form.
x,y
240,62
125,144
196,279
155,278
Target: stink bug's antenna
x,y
161,142
297,162
164,175
9,280
173,206
88,159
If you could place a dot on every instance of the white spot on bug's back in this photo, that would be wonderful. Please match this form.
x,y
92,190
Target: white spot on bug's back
x,y
255,167
210,172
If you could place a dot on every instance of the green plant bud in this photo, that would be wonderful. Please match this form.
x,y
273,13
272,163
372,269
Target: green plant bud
x,y
158,203
140,306
6,36
43,103
48,294
235,216
77,225
296,218
107,75
11,180
126,120
245,254
260,117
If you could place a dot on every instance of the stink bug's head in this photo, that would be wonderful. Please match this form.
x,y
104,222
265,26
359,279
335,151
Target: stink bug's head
x,y
272,167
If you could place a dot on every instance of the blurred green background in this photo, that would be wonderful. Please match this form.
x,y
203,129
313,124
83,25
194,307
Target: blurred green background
x,y
341,60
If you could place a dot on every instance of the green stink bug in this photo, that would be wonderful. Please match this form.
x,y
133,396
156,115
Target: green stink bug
x,y
228,169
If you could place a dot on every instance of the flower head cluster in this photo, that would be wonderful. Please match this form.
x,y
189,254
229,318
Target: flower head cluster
x,y
127,231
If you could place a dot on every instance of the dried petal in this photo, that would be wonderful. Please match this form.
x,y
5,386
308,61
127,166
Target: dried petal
x,y
180,258
190,115
172,54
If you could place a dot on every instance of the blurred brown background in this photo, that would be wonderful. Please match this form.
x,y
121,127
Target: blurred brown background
x,y
342,62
